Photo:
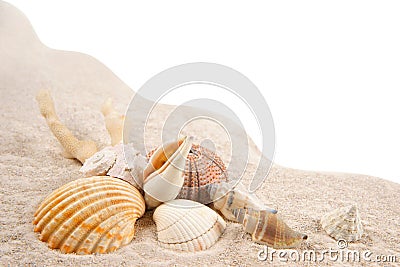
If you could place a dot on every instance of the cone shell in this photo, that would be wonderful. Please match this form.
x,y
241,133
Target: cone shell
x,y
267,228
89,215
187,225
203,168
343,223
228,197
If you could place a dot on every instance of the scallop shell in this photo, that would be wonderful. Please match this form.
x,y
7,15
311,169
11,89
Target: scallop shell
x,y
90,215
187,225
203,168
267,228
343,223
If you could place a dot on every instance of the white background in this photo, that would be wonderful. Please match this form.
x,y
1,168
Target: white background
x,y
330,71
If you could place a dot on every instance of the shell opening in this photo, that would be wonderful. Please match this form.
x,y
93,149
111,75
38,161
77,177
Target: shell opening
x,y
163,156
164,174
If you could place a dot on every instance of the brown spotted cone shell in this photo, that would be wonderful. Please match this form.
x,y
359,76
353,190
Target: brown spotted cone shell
x,y
89,215
203,168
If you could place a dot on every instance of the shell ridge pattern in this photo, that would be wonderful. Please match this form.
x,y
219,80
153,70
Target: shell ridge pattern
x,y
107,211
183,215
61,193
104,225
195,238
110,227
83,215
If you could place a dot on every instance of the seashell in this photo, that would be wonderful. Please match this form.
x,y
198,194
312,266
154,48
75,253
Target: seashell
x,y
267,228
163,176
343,223
89,215
202,169
187,225
228,197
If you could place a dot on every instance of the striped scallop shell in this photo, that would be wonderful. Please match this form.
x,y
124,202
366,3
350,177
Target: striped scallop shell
x,y
90,215
203,168
187,225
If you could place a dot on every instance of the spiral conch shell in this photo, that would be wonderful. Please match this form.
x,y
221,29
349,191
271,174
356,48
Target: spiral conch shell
x,y
187,225
203,168
267,228
90,215
343,223
164,175
228,197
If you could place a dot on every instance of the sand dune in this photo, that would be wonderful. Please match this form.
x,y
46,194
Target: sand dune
x,y
31,167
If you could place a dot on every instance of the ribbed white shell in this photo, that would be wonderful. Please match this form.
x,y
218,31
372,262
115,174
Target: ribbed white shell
x,y
187,225
343,223
90,215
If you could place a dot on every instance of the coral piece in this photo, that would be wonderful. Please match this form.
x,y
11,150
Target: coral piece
x,y
74,148
99,163
121,161
114,122
90,215
129,166
343,223
187,225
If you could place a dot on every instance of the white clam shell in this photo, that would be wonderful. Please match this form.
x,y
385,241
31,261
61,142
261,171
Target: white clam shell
x,y
343,223
187,225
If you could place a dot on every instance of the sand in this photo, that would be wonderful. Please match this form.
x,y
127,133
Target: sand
x,y
31,167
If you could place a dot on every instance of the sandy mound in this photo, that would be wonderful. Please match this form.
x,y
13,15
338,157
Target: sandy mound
x,y
31,167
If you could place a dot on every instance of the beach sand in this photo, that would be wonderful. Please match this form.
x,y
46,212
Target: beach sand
x,y
31,167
